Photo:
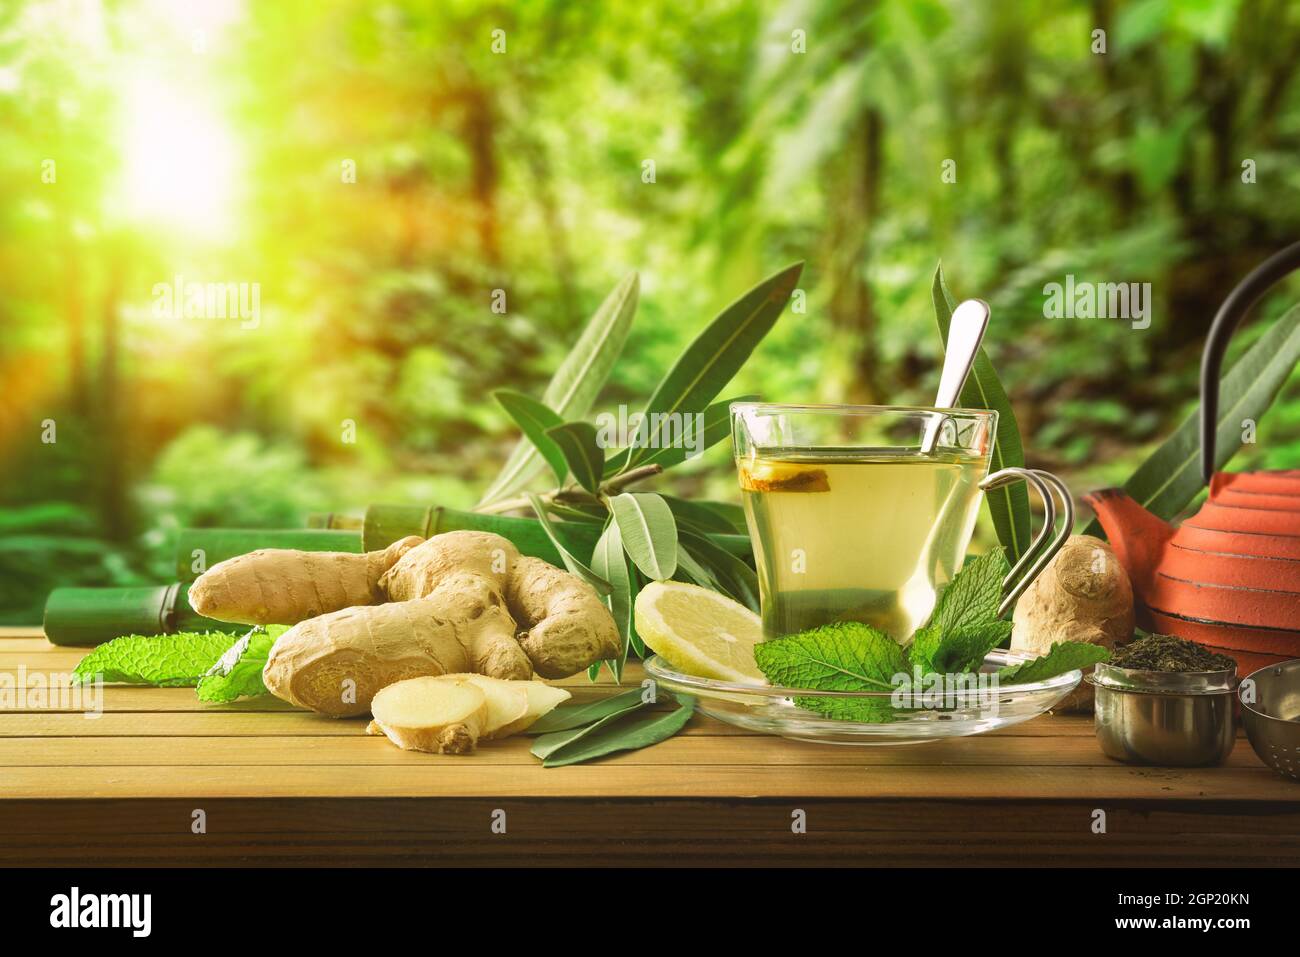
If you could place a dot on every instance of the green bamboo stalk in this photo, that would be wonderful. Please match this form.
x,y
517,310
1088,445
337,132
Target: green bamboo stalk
x,y
90,616
386,524
198,549
335,520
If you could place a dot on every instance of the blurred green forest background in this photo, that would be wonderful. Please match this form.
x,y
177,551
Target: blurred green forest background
x,y
211,140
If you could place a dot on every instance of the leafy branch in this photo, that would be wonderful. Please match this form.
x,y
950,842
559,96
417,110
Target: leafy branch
x,y
643,536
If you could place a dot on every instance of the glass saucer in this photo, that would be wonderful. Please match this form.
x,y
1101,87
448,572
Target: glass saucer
x,y
772,710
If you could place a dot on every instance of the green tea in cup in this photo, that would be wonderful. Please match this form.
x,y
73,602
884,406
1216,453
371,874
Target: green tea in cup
x,y
849,519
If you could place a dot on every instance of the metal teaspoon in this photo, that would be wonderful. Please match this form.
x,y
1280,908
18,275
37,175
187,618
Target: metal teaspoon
x,y
965,333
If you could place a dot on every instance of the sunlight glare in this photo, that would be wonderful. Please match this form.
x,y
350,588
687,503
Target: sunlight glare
x,y
180,160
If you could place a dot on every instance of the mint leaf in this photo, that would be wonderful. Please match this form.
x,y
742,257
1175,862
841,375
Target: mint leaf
x,y
841,656
965,625
238,673
924,648
959,650
1061,657
972,597
165,661
869,710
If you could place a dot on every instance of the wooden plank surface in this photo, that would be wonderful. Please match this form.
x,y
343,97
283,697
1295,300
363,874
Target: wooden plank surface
x,y
286,786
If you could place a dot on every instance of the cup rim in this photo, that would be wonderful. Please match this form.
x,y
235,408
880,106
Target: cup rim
x,y
837,409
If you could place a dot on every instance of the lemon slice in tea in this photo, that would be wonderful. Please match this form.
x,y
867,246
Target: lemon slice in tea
x,y
699,632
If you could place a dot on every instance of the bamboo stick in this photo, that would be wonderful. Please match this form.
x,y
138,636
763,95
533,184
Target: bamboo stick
x,y
335,520
386,524
198,549
89,616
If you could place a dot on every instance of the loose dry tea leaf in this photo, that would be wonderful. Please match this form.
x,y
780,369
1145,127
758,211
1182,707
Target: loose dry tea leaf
x,y
1169,653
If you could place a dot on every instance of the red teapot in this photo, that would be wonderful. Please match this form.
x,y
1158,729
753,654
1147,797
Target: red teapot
x,y
1229,576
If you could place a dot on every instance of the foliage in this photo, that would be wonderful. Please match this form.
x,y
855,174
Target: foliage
x,y
1172,477
574,733
521,172
640,530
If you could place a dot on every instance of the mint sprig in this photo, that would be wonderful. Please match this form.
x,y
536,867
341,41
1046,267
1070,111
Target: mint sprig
x,y
974,594
165,661
1061,657
956,650
220,666
238,673
841,656
964,628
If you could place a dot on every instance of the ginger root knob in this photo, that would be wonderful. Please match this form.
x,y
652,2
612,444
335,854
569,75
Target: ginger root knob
x,y
1083,595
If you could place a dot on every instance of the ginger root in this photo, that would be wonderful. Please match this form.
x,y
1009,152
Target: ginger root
x,y
280,586
1083,595
460,602
432,714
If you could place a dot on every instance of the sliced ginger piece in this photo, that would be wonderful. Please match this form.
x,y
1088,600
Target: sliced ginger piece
x,y
513,705
507,701
542,699
431,714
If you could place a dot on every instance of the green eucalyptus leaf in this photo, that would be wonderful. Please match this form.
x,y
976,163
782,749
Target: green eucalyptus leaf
x,y
610,563
568,716
740,580
698,516
535,418
576,383
727,511
548,744
693,570
583,720
622,733
1008,505
738,545
577,443
571,562
715,426
711,360
635,644
1170,478
649,532
574,512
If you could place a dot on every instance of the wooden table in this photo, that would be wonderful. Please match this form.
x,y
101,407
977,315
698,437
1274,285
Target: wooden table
x,y
275,785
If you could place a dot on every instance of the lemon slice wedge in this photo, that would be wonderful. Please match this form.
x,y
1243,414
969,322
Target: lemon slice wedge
x,y
699,632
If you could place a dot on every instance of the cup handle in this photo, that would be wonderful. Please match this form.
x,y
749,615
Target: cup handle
x,y
1048,541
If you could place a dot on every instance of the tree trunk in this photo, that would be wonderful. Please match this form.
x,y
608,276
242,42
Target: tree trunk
x,y
479,132
110,442
74,309
544,191
855,204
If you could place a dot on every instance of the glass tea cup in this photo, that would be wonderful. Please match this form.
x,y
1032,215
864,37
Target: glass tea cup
x,y
852,521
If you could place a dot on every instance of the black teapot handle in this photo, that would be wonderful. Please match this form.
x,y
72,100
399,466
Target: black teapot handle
x,y
1266,275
